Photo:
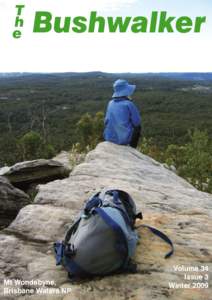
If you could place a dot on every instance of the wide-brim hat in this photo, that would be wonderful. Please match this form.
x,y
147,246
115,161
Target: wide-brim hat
x,y
123,88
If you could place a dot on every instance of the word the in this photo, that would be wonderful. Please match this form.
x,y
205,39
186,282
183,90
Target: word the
x,y
19,22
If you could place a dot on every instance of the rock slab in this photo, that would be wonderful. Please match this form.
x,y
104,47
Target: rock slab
x,y
23,174
167,201
11,201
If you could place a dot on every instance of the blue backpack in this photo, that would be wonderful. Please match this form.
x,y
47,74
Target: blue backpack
x,y
103,238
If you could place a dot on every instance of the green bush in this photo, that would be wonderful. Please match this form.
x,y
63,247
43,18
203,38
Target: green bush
x,y
32,146
197,166
89,130
193,160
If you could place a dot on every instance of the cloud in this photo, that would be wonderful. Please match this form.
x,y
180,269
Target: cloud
x,y
2,4
114,4
100,5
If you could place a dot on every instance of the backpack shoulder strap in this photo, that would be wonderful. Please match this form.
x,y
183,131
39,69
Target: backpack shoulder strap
x,y
163,236
59,252
60,247
71,230
123,245
122,201
93,202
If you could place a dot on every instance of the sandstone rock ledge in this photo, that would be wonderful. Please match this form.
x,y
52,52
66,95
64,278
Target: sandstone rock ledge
x,y
167,202
25,173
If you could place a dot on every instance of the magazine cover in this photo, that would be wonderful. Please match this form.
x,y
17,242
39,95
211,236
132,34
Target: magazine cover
x,y
105,150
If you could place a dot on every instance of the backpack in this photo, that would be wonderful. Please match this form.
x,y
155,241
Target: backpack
x,y
103,239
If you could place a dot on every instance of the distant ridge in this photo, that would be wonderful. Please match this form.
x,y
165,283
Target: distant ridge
x,y
195,76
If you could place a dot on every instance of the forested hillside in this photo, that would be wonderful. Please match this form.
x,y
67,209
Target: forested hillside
x,y
50,105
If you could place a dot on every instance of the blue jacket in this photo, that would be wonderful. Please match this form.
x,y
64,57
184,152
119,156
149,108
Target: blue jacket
x,y
121,117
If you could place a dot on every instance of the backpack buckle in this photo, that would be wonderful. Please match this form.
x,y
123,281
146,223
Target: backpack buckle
x,y
139,216
70,250
95,201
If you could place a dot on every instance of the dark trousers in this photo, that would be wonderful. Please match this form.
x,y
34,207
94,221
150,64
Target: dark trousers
x,y
135,136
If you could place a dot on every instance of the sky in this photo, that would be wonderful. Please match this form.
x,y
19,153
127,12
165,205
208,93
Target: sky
x,y
107,52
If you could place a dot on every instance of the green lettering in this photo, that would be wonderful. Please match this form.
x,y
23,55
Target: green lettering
x,y
153,23
118,23
19,9
184,24
140,24
42,21
198,24
65,27
165,23
93,20
17,34
80,26
19,22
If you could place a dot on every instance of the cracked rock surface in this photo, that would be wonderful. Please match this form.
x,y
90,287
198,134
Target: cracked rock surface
x,y
167,201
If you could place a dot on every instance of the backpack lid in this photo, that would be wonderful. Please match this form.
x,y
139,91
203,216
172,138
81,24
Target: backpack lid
x,y
122,198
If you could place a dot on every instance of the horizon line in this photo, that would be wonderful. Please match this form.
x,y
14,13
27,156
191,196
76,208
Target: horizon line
x,y
104,72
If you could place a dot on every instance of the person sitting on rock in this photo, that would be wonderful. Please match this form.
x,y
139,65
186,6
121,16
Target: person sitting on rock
x,y
122,120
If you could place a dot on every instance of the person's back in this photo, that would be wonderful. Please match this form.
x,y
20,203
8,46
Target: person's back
x,y
122,120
